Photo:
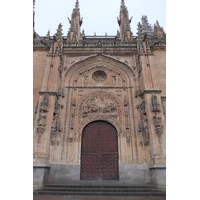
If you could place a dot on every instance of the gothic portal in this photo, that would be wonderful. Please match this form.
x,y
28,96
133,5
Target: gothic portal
x,y
100,104
99,152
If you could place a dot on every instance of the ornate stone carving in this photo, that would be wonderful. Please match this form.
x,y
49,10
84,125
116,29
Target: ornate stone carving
x,y
125,101
42,120
158,124
40,131
85,80
155,106
114,78
138,93
99,76
44,105
143,128
53,137
143,108
99,105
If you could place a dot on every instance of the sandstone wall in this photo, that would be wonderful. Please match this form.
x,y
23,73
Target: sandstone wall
x,y
39,62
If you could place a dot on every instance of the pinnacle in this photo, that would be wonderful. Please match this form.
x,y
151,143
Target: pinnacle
x,y
122,3
77,4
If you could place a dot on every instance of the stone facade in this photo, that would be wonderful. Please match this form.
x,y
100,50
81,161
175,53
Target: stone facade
x,y
120,80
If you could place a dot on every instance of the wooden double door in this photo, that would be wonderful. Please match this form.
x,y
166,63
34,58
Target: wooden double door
x,y
99,152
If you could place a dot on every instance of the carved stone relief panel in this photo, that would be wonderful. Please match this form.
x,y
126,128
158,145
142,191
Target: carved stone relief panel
x,y
44,105
42,120
158,125
155,106
143,125
99,103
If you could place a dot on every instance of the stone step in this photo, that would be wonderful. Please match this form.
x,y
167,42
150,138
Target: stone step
x,y
99,193
101,186
100,190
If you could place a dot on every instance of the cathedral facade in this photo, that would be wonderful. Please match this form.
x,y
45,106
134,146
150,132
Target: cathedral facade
x,y
99,104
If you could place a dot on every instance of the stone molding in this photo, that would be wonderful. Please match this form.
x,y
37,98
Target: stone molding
x,y
152,91
51,93
41,165
157,166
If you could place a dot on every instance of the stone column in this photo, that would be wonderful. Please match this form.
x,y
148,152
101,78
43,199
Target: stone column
x,y
155,117
45,117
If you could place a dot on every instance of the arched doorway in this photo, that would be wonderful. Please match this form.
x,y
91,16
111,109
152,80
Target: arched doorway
x,y
99,152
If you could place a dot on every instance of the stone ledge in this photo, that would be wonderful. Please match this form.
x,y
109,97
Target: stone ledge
x,y
157,166
41,165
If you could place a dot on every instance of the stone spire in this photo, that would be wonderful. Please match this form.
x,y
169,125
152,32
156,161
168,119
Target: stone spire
x,y
146,28
124,23
74,34
33,16
159,31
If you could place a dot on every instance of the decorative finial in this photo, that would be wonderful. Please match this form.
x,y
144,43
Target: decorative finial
x,y
77,4
48,33
83,33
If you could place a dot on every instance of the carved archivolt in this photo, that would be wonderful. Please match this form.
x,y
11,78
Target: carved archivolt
x,y
109,119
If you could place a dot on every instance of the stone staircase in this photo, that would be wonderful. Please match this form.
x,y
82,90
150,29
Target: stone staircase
x,y
100,190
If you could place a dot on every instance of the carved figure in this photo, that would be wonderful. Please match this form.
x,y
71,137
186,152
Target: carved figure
x,y
85,80
42,120
158,124
40,131
143,128
54,122
53,137
114,80
143,108
44,104
155,106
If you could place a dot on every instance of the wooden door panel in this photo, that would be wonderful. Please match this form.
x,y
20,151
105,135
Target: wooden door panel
x,y
99,152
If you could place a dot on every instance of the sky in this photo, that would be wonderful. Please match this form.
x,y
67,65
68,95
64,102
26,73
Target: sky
x,y
99,16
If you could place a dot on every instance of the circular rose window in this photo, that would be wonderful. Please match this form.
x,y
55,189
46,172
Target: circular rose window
x,y
99,76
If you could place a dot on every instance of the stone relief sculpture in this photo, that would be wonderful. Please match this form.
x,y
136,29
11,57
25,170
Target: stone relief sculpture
x,y
155,106
44,105
40,131
158,124
143,125
114,78
98,105
55,125
85,80
42,120
143,128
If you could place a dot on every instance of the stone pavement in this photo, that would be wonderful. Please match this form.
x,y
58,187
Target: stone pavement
x,y
52,197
